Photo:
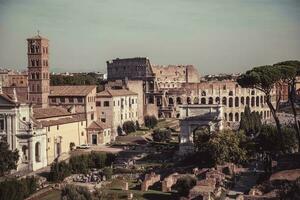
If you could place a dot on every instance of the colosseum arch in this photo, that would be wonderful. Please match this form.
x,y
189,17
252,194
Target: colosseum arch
x,y
188,100
171,101
257,101
236,117
210,100
230,102
203,100
196,100
252,101
243,100
224,101
236,102
230,117
178,101
217,100
248,101
230,93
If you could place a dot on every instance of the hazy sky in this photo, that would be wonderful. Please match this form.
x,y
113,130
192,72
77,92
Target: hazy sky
x,y
214,35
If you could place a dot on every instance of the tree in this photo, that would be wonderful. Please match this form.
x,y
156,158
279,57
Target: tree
x,y
72,192
264,79
250,122
108,172
161,135
137,125
290,70
8,158
129,127
150,121
184,184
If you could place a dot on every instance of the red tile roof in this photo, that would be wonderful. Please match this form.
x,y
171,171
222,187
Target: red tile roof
x,y
42,113
98,125
64,120
115,92
71,90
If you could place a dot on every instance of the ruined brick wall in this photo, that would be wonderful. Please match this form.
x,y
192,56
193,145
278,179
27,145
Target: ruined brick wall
x,y
150,179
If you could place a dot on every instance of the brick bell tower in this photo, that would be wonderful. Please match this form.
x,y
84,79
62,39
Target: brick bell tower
x,y
38,70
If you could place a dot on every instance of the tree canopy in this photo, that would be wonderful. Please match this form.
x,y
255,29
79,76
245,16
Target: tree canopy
x,y
8,158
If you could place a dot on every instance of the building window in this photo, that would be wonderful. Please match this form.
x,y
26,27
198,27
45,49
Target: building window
x,y
98,103
1,124
81,123
49,139
79,100
92,116
71,100
49,128
103,120
62,100
82,133
106,103
37,152
53,100
57,127
121,116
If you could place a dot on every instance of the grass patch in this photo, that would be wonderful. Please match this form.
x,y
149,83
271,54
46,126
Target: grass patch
x,y
52,195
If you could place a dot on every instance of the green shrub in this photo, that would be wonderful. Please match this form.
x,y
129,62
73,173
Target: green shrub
x,y
184,184
129,127
161,135
150,121
108,172
59,171
14,189
72,192
98,159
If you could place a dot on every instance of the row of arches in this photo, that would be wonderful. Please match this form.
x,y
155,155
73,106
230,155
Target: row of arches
x,y
236,117
227,101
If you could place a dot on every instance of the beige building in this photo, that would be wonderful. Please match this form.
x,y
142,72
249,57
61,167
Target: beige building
x,y
81,98
62,128
116,106
172,76
99,133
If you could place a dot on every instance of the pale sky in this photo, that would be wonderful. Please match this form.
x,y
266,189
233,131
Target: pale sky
x,y
217,36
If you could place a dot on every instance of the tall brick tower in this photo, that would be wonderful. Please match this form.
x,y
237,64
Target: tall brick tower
x,y
38,70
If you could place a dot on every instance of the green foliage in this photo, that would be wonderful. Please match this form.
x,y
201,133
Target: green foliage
x,y
76,79
14,189
184,184
162,135
150,121
221,147
262,78
292,190
59,171
137,125
80,164
8,158
108,172
98,159
129,127
268,140
119,130
72,192
250,122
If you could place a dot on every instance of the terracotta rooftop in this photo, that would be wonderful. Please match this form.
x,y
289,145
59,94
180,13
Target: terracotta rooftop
x,y
42,113
71,90
98,125
115,92
22,93
64,120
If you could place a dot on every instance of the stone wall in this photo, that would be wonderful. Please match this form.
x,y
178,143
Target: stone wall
x,y
149,180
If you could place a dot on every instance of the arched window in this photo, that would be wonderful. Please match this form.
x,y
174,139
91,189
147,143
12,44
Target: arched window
x,y
248,101
252,92
210,100
230,93
261,100
203,93
261,114
257,101
230,117
236,116
203,101
224,101
217,100
230,102
243,100
37,152
188,100
196,100
178,101
252,101
236,102
265,114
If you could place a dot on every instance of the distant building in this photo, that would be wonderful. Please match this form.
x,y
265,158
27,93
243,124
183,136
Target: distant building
x,y
116,106
99,132
172,76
